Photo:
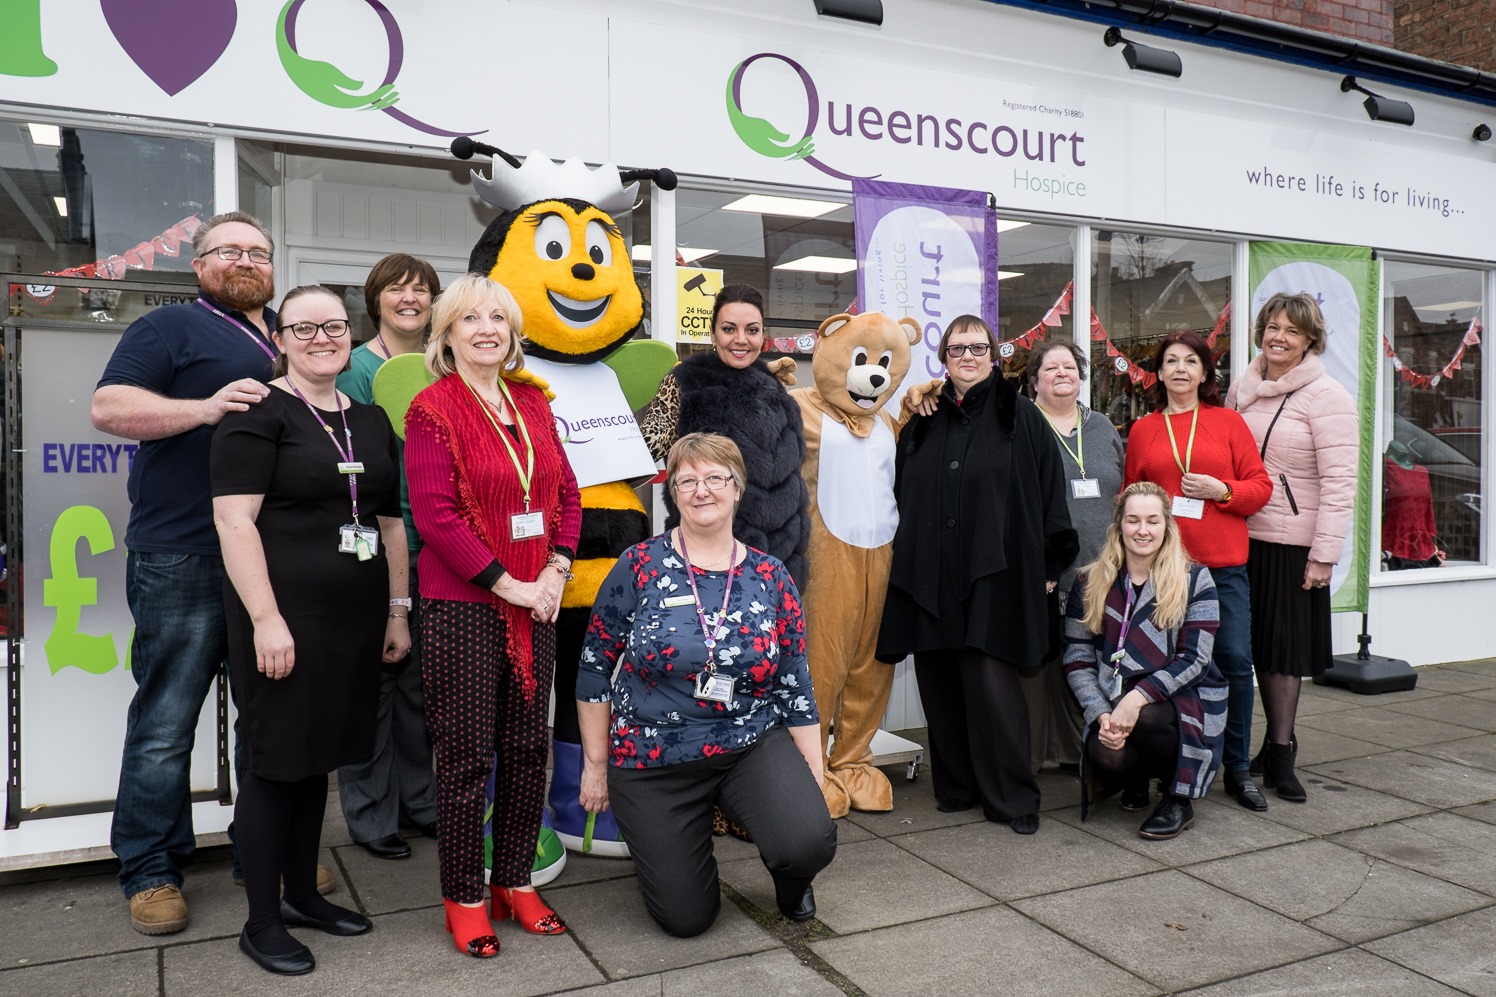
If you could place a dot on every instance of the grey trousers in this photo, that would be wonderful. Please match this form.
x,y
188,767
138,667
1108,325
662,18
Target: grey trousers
x,y
665,814
398,783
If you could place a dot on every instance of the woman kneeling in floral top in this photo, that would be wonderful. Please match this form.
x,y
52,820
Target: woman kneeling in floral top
x,y
711,703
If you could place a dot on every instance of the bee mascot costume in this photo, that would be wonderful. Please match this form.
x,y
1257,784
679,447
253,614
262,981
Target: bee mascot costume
x,y
859,363
556,247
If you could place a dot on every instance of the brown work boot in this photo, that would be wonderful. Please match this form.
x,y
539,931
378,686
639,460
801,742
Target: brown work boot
x,y
159,911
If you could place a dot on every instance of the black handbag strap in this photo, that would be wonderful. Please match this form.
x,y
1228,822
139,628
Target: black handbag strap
x,y
1269,433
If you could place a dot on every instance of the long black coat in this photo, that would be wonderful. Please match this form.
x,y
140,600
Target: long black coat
x,y
751,408
983,525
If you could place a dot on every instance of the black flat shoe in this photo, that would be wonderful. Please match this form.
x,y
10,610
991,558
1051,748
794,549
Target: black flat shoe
x,y
953,806
1173,815
291,964
391,846
1135,798
1027,824
352,923
796,908
1247,794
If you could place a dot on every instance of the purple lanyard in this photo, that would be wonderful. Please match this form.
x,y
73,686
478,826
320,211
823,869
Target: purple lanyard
x,y
347,454
709,633
1132,595
259,339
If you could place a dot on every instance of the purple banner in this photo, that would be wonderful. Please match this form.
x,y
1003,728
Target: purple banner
x,y
926,252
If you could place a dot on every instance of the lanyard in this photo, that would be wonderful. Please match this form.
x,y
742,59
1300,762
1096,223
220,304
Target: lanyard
x,y
1132,598
1079,453
525,473
1189,451
347,454
716,630
259,339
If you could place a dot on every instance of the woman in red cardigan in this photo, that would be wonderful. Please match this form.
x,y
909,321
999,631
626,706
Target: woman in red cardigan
x,y
497,504
1206,459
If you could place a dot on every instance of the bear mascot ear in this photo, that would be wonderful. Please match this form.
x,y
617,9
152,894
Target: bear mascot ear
x,y
911,329
834,323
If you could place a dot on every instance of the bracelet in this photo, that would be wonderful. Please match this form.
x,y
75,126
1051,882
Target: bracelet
x,y
399,616
555,562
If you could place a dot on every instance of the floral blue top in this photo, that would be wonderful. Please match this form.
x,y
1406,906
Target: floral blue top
x,y
644,625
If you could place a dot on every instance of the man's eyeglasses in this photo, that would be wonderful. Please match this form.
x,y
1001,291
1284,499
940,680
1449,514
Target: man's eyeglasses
x,y
335,329
975,349
713,482
232,254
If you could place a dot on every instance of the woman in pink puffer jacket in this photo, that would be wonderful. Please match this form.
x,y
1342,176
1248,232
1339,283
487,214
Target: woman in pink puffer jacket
x,y
1306,426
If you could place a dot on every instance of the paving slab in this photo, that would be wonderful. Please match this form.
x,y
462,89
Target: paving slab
x,y
913,810
1309,705
1317,746
1176,931
639,986
1481,811
625,941
121,973
1477,752
1341,892
383,886
1443,678
1415,776
1484,666
974,954
1457,951
1453,848
778,973
1351,973
407,953
1361,699
1221,829
1007,866
1335,806
1462,711
872,884
1387,727
1488,695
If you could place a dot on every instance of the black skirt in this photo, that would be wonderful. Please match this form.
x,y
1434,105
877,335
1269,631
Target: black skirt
x,y
1290,627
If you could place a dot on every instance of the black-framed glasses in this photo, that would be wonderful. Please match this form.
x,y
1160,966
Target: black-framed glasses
x,y
713,482
335,329
233,254
975,349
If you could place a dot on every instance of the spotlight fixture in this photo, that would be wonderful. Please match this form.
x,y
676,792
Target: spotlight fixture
x,y
1379,108
866,11
1482,132
1145,57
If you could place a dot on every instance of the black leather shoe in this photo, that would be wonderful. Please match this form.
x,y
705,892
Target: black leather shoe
x,y
391,846
1172,815
1135,798
1027,824
953,806
796,908
352,923
1246,792
291,964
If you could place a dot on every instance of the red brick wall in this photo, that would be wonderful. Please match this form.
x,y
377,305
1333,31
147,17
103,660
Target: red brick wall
x,y
1459,31
1363,20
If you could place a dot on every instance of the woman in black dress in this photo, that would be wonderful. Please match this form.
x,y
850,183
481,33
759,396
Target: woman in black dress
x,y
307,503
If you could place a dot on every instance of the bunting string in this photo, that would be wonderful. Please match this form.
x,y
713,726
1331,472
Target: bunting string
x,y
116,267
1417,380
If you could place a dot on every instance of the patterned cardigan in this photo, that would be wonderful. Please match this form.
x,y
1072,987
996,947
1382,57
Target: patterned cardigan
x,y
1161,664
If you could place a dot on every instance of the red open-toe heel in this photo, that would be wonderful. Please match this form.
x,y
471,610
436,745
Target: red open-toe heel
x,y
526,907
470,930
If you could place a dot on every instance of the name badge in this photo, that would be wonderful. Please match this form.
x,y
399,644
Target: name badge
x,y
526,526
360,541
350,467
1188,508
714,688
1085,488
674,601
1116,690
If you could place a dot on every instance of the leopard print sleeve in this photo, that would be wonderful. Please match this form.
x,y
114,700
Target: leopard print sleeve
x,y
661,418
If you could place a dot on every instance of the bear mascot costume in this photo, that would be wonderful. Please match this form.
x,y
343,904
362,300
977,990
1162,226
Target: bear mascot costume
x,y
858,365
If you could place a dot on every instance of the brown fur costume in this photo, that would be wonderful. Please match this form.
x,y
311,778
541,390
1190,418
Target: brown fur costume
x,y
859,363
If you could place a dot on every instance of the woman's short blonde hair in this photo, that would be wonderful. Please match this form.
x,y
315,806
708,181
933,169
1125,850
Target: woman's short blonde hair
x,y
463,295
706,448
1304,314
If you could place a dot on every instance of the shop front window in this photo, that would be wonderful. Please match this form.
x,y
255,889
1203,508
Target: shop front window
x,y
89,202
1035,273
1144,287
1432,495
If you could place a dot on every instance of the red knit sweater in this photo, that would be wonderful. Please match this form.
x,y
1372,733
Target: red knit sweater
x,y
1224,449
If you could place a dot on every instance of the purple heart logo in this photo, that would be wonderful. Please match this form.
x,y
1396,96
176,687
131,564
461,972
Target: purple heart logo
x,y
172,41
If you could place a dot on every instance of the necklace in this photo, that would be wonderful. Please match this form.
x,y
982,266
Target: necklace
x,y
680,543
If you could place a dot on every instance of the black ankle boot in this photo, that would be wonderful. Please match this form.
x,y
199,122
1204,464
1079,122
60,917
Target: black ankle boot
x,y
1259,764
1279,774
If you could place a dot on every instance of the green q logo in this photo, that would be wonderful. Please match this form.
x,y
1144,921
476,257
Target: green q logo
x,y
763,136
21,39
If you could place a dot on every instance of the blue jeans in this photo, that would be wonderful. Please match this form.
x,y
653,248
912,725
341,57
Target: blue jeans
x,y
177,603
1233,656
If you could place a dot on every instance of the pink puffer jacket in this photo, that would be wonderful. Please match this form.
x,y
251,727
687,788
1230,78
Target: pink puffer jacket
x,y
1314,445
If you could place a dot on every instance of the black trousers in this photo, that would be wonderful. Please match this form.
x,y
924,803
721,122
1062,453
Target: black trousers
x,y
665,814
1151,751
978,730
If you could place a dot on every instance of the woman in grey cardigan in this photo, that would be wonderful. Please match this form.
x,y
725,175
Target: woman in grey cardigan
x,y
1091,452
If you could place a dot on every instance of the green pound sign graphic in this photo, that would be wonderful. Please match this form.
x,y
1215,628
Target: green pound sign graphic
x,y
21,39
67,593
